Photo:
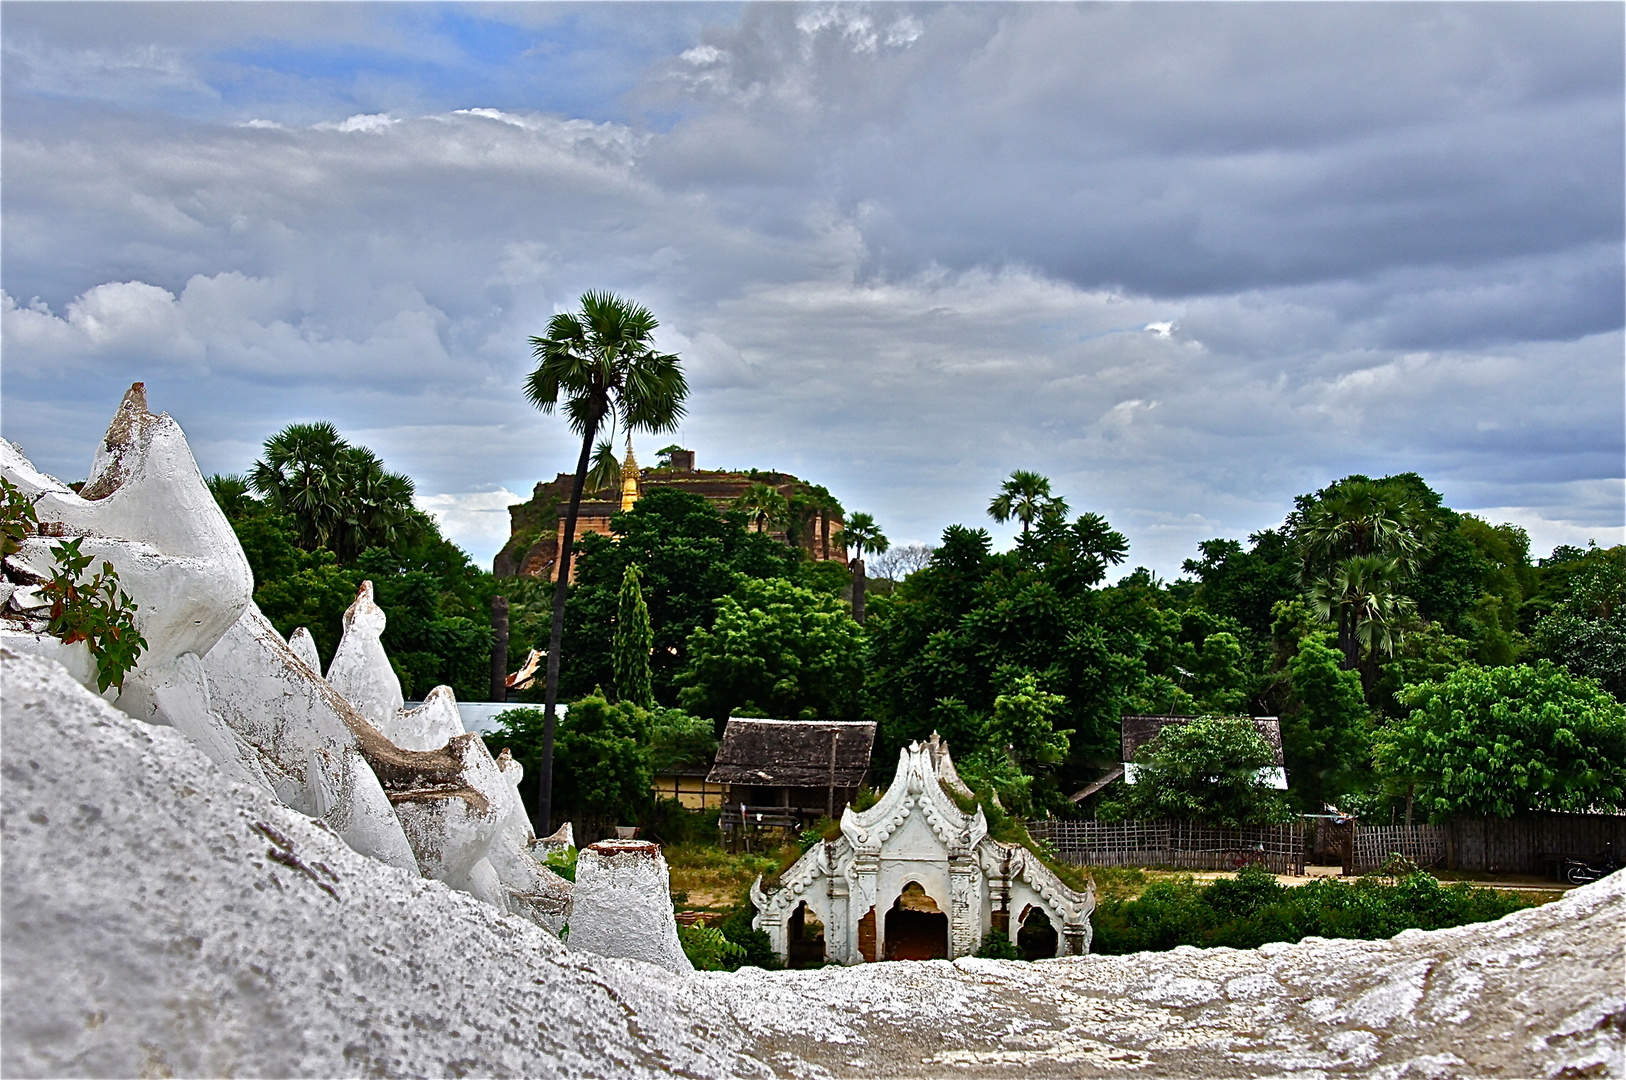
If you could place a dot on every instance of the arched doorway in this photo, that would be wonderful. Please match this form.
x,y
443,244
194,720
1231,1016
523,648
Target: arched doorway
x,y
805,934
916,928
1037,938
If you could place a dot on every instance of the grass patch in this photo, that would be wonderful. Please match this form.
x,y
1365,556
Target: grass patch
x,y
715,879
1115,882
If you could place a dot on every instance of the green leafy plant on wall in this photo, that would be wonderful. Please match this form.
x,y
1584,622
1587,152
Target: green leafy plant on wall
x,y
18,519
98,612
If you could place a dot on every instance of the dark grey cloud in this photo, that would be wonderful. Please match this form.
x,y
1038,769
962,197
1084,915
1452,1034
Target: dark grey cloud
x,y
1190,260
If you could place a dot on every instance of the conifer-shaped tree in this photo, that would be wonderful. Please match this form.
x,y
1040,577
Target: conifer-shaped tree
x,y
633,640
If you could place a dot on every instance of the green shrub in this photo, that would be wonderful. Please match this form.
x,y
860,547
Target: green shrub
x,y
1253,909
562,862
997,946
96,611
736,927
709,950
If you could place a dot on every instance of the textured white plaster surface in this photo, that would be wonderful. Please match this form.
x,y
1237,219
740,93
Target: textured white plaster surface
x,y
623,904
307,735
531,888
1540,993
360,669
304,647
160,920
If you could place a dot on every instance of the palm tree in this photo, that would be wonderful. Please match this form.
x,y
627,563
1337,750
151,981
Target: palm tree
x,y
1360,595
299,476
376,506
1361,517
764,505
1025,496
605,472
340,496
597,364
1358,543
862,534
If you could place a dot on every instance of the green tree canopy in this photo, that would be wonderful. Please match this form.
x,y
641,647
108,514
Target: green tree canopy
x,y
1326,728
633,642
1205,770
1585,631
778,649
1245,584
1503,741
1024,723
338,496
688,556
602,750
943,648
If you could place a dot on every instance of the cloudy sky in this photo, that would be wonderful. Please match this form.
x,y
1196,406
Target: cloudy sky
x,y
1187,260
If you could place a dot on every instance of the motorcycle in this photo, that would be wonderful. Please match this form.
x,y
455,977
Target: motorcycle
x,y
1582,871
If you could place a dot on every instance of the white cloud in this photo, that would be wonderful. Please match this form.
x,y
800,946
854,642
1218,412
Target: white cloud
x,y
476,520
1188,262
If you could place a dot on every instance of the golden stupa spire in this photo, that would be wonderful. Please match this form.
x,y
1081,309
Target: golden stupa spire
x,y
629,479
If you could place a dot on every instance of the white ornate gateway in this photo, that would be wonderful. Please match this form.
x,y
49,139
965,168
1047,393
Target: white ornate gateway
x,y
914,877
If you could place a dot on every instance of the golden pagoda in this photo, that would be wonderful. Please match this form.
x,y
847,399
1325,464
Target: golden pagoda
x,y
629,479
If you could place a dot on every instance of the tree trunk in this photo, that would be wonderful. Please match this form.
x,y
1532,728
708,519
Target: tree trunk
x,y
1348,643
824,533
544,792
858,590
1411,795
499,648
1369,675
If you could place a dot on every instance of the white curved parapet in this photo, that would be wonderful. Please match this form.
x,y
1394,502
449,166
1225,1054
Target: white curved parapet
x,y
406,787
146,510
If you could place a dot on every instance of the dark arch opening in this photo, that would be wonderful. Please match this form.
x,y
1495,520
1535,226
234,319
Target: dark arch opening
x,y
806,934
1037,939
916,928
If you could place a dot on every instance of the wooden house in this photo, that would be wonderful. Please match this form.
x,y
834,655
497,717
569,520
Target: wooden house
x,y
812,766
690,786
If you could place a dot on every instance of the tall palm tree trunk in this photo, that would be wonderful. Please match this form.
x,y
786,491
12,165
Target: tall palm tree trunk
x,y
561,587
1348,643
859,581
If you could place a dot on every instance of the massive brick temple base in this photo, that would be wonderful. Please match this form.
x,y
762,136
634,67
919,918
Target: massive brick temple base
x,y
536,527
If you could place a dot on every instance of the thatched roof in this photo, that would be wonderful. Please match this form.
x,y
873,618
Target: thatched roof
x,y
794,753
1139,730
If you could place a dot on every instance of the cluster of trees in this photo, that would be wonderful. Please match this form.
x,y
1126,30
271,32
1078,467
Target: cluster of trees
x,y
317,515
1417,657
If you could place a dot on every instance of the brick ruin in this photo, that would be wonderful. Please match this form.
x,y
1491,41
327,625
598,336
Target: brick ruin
x,y
536,527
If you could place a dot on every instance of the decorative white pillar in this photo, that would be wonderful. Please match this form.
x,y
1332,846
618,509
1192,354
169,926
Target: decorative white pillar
x,y
623,905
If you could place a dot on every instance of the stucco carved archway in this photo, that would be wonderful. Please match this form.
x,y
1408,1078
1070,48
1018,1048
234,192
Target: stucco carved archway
x,y
918,833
